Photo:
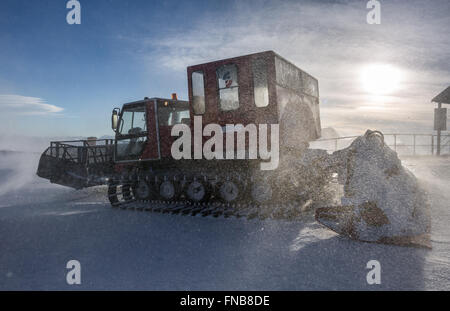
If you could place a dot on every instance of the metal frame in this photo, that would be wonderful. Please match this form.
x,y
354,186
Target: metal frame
x,y
83,148
396,146
155,102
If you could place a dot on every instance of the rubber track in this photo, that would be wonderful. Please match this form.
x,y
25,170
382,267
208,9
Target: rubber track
x,y
287,211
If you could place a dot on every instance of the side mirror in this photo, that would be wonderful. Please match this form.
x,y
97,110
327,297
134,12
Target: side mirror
x,y
115,119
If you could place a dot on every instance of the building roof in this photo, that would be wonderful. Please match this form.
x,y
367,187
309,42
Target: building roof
x,y
443,97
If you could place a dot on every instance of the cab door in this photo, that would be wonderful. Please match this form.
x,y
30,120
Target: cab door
x,y
132,133
169,113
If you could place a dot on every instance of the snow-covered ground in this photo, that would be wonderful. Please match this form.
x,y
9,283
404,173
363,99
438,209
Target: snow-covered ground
x,y
43,226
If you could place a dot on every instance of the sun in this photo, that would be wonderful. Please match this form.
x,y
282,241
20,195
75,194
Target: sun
x,y
380,79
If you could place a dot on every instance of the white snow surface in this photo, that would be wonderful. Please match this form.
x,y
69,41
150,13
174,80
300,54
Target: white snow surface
x,y
43,226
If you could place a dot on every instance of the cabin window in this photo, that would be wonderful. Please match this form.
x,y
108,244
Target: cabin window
x,y
227,79
133,121
198,92
130,148
169,116
260,89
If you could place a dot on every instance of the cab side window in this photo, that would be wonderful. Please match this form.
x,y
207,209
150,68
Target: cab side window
x,y
198,92
260,90
227,80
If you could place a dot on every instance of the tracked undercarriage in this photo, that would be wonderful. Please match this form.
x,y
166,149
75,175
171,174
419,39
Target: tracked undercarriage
x,y
285,194
290,211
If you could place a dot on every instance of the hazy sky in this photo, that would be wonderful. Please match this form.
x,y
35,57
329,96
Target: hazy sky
x,y
59,79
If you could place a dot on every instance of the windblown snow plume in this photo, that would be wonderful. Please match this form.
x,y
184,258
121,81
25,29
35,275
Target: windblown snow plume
x,y
17,169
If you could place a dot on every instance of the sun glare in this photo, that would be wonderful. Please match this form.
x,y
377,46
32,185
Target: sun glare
x,y
380,79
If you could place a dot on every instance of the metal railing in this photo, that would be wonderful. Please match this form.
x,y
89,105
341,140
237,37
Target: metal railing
x,y
82,151
403,143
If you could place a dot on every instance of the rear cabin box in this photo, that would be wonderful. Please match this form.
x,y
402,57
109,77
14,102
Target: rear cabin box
x,y
257,88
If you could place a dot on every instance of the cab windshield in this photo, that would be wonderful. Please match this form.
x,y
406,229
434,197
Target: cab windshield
x,y
133,121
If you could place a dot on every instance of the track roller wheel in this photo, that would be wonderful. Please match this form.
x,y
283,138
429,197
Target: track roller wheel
x,y
143,190
229,191
197,191
261,192
168,190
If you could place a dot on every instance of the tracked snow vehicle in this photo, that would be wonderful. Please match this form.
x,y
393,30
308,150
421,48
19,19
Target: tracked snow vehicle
x,y
256,89
253,90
